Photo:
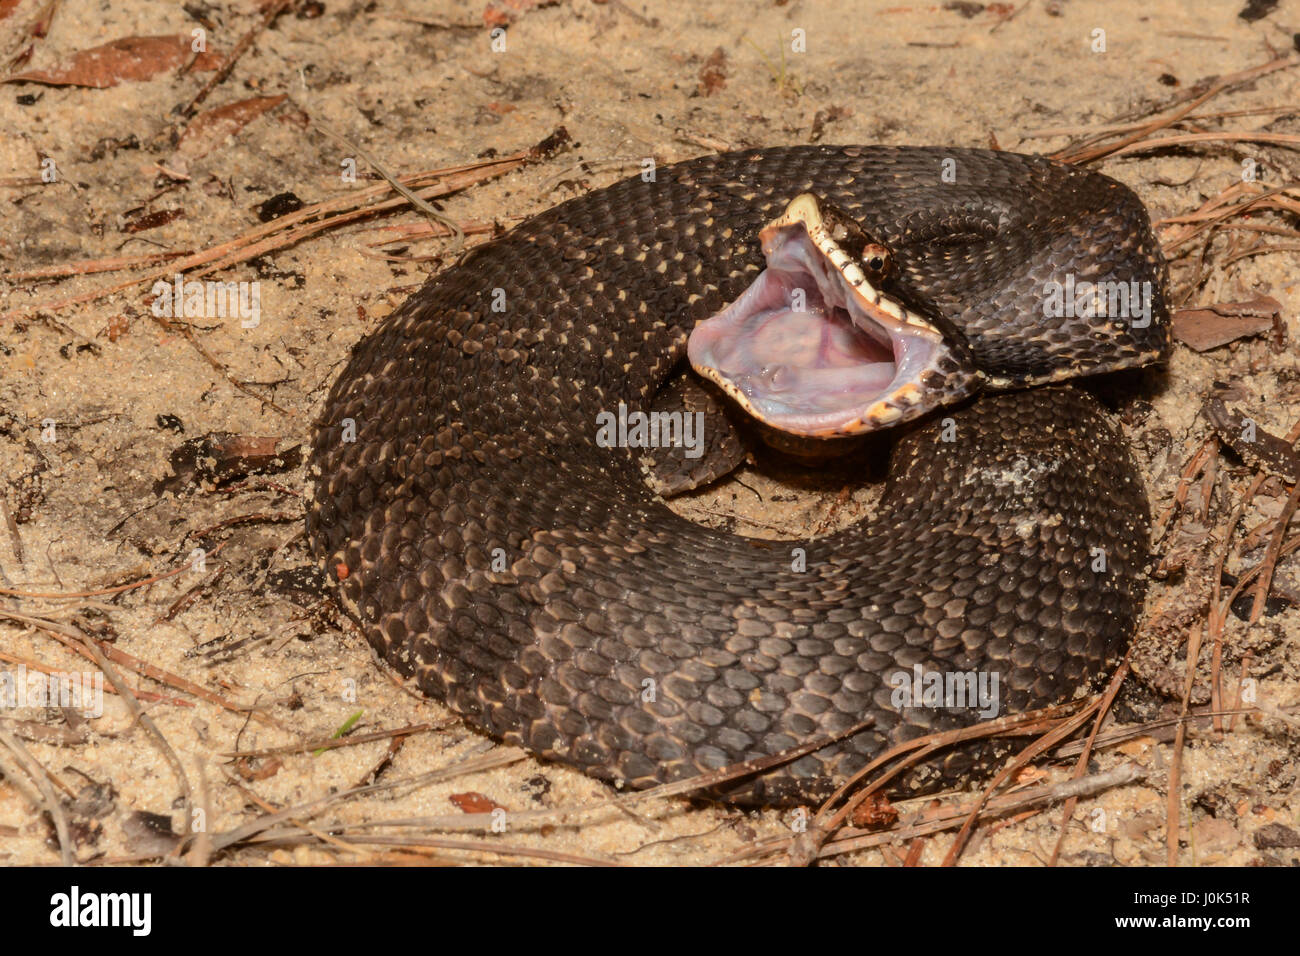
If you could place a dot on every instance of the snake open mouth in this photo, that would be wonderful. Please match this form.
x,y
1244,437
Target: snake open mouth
x,y
814,349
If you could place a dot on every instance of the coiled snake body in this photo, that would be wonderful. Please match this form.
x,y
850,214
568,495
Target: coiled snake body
x,y
528,577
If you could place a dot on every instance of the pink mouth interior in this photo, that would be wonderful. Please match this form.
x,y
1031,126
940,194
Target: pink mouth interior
x,y
805,371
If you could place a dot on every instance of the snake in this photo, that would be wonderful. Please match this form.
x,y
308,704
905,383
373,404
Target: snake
x,y
501,547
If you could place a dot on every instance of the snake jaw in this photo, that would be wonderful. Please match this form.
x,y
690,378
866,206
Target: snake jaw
x,y
814,349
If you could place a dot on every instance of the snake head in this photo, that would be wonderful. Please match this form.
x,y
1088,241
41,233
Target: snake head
x,y
815,347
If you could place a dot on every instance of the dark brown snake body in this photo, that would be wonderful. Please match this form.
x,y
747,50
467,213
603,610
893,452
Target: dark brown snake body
x,y
529,578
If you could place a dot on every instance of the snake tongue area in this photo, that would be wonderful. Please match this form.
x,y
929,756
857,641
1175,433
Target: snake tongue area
x,y
812,348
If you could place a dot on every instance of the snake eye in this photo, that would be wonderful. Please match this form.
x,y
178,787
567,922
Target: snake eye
x,y
876,259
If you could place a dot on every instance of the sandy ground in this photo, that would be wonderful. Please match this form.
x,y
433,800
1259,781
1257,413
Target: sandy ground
x,y
420,87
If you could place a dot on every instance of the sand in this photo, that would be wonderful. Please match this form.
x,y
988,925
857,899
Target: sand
x,y
420,86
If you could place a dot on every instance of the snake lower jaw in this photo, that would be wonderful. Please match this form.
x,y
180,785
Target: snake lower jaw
x,y
813,349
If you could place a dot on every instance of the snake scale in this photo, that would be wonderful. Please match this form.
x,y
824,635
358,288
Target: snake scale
x,y
526,575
